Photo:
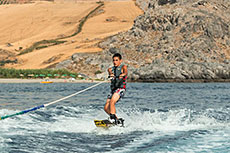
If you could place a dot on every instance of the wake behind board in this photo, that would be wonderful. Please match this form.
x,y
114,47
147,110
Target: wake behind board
x,y
107,123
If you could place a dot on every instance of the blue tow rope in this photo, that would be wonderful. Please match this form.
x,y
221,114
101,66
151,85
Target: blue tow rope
x,y
44,105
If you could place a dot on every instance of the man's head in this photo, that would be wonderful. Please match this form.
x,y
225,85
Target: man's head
x,y
117,59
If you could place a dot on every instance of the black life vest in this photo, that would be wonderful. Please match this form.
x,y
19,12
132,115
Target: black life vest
x,y
116,82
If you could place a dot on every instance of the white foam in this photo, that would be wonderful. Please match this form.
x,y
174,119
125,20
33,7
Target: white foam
x,y
158,124
135,120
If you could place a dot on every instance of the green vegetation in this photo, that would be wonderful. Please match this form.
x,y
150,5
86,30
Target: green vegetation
x,y
41,44
35,73
98,72
83,20
100,2
3,2
3,62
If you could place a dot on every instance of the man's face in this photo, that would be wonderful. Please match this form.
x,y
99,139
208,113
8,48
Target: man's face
x,y
116,61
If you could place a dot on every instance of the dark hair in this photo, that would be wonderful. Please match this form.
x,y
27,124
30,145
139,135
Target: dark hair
x,y
117,55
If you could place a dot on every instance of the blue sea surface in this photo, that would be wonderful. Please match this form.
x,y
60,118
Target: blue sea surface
x,y
159,117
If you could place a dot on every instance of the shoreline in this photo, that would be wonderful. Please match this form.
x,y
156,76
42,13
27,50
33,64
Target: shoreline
x,y
53,80
17,80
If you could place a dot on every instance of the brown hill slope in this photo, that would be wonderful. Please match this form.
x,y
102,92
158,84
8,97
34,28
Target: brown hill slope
x,y
30,23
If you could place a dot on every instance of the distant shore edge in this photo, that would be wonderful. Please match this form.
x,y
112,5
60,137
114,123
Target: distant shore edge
x,y
52,80
96,81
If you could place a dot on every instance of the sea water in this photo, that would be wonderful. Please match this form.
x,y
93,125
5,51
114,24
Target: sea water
x,y
159,117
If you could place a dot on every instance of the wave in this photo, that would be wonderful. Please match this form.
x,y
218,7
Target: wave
x,y
144,129
80,119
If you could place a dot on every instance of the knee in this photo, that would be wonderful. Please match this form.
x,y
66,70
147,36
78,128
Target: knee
x,y
112,102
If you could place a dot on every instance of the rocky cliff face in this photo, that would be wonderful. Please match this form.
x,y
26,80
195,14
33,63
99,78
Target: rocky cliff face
x,y
174,40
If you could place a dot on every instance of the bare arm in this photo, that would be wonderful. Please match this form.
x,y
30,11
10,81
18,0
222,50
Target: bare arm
x,y
124,71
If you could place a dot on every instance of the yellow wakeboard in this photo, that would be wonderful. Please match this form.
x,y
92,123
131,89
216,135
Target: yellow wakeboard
x,y
107,123
103,123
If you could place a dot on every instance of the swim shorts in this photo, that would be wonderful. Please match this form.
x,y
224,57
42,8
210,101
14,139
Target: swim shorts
x,y
120,91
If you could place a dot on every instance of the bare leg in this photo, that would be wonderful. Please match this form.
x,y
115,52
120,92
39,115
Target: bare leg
x,y
106,107
112,103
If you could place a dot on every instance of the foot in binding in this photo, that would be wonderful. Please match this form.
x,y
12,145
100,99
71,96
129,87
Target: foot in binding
x,y
114,118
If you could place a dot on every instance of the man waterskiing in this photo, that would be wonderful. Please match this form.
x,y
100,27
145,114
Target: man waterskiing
x,y
118,74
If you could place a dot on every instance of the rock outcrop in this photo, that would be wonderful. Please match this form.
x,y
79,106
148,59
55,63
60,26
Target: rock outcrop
x,y
174,40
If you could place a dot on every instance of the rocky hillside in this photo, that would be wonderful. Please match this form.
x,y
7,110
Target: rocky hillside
x,y
174,40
